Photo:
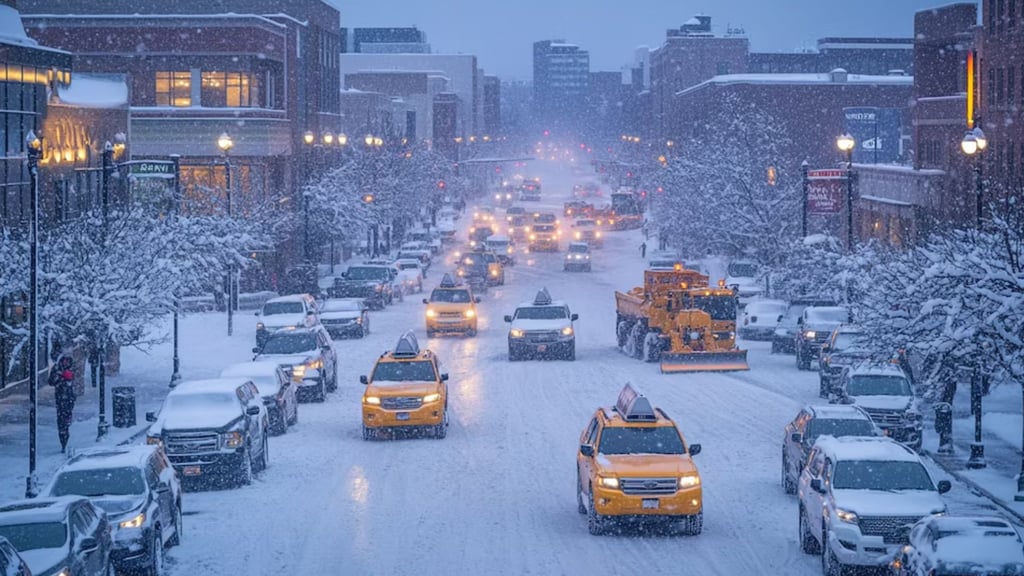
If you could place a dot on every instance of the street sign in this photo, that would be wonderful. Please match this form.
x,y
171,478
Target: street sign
x,y
151,169
876,132
825,190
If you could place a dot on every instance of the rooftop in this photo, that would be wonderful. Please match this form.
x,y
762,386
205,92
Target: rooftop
x,y
119,457
865,448
837,412
37,510
801,79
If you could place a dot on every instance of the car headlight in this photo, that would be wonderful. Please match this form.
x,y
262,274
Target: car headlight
x,y
135,522
810,334
846,516
494,273
372,400
611,222
470,313
298,371
260,326
579,235
608,482
378,287
154,440
516,333
231,439
65,571
431,398
567,331
430,311
597,234
689,481
509,250
533,236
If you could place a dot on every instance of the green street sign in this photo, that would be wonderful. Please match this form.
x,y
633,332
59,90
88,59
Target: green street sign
x,y
151,169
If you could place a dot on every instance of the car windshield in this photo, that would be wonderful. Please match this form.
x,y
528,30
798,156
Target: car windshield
x,y
366,273
765,309
100,482
545,219
836,427
450,296
271,308
289,344
878,385
742,270
582,249
827,315
585,223
544,228
340,306
408,265
542,313
641,440
418,371
718,307
663,263
880,475
498,244
25,537
846,341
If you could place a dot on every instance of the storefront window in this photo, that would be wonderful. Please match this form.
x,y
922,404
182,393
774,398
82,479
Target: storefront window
x,y
174,89
231,89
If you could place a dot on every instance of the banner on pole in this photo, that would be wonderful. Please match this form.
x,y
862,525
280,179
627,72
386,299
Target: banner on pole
x,y
825,191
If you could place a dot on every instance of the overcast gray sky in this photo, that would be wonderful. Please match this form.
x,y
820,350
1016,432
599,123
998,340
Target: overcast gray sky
x,y
501,33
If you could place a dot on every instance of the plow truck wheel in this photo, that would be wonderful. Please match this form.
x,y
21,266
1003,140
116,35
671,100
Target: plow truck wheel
x,y
622,333
635,342
652,347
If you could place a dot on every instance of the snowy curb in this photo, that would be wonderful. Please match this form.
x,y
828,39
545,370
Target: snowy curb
x,y
135,436
974,486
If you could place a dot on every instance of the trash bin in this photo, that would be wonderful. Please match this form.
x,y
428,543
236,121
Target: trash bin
x,y
124,406
944,426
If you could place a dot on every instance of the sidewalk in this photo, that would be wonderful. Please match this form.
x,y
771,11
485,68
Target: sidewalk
x,y
1001,430
205,349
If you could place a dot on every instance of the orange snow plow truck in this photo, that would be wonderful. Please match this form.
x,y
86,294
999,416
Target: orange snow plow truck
x,y
676,318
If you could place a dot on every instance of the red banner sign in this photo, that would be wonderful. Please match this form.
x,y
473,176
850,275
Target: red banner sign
x,y
825,191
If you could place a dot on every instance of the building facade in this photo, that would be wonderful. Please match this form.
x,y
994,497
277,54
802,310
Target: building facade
x,y
1001,100
561,83
384,40
492,106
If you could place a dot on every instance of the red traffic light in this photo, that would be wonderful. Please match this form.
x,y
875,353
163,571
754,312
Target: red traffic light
x,y
441,184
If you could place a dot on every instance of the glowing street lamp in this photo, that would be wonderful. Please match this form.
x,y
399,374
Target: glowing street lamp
x,y
308,137
328,138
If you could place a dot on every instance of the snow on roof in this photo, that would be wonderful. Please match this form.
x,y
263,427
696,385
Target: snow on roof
x,y
94,91
877,370
898,168
263,18
962,537
837,412
289,298
563,45
882,200
11,29
134,456
250,369
37,510
798,79
211,385
865,448
497,238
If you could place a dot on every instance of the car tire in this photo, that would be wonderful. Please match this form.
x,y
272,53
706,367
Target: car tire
x,y
441,430
431,334
368,434
580,506
334,381
512,356
361,333
808,545
571,354
178,527
693,525
775,348
281,424
595,523
787,485
622,333
245,470
830,565
264,460
823,388
321,391
295,416
156,555
651,347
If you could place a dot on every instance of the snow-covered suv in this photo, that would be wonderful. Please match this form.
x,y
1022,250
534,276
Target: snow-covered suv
x,y
885,393
844,349
541,328
858,499
292,310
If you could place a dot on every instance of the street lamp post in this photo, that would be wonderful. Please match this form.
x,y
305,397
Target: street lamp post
x,y
35,152
846,143
225,143
107,173
973,145
804,169
176,362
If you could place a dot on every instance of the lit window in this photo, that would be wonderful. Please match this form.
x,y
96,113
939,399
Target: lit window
x,y
231,89
174,89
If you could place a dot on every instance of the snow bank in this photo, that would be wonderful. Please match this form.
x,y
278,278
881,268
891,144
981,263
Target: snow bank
x,y
94,91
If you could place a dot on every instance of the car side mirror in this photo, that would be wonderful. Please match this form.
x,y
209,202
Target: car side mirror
x,y
253,410
87,545
255,349
574,317
694,449
444,376
816,485
257,313
944,486
796,437
363,379
150,416
587,450
425,301
508,318
477,299
800,321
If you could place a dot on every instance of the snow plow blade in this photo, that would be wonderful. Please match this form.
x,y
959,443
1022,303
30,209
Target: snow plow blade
x,y
704,362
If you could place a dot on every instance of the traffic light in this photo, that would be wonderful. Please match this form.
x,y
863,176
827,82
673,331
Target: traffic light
x,y
441,185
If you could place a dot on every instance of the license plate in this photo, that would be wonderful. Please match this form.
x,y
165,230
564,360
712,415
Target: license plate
x,y
402,416
650,504
192,471
542,348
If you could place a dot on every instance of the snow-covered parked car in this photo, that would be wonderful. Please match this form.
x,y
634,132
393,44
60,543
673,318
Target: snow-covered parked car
x,y
59,536
139,491
10,561
213,429
543,327
961,545
292,310
843,350
742,275
429,238
814,327
279,392
307,356
371,282
784,337
345,317
421,253
410,274
885,393
761,318
811,423
858,496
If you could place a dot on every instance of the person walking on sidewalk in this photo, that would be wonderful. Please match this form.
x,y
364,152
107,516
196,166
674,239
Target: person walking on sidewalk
x,y
62,378
643,250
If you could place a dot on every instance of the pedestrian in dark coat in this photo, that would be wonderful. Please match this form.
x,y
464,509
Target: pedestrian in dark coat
x,y
643,250
62,378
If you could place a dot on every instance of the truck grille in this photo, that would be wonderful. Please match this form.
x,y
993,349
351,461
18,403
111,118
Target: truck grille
x,y
401,403
543,336
892,529
191,442
450,314
640,486
338,322
886,417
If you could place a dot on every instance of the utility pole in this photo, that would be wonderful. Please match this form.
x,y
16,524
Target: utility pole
x,y
106,174
225,143
176,374
35,152
804,168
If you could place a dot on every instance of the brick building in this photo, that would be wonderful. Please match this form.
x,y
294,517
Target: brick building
x,y
1001,58
875,56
